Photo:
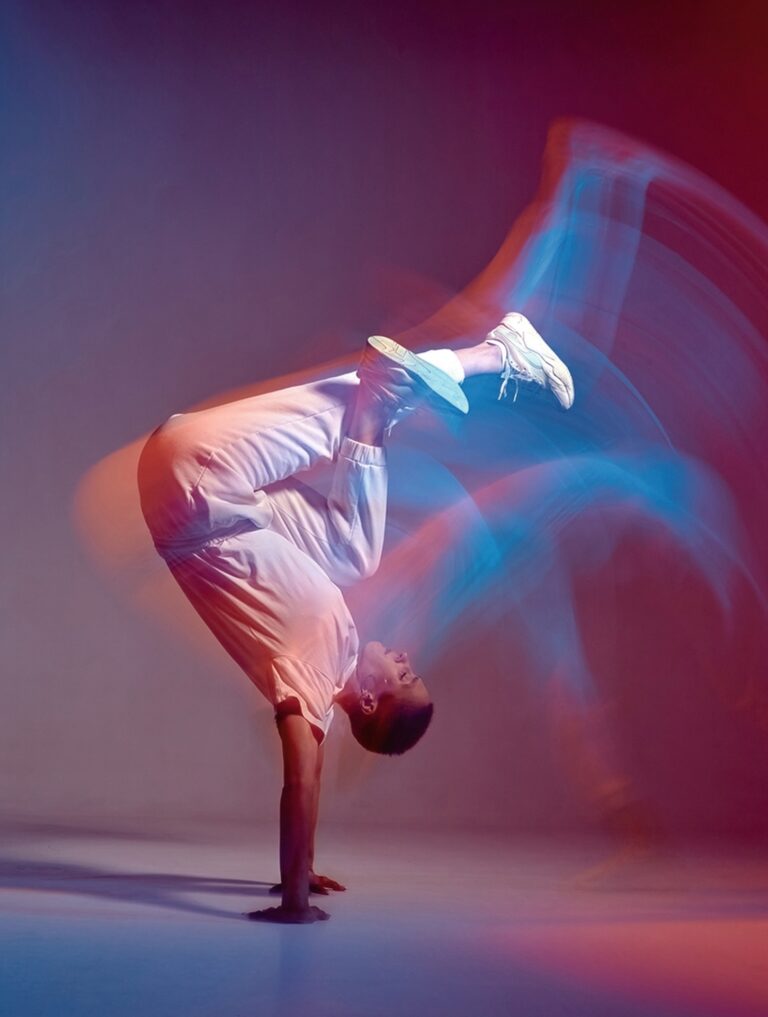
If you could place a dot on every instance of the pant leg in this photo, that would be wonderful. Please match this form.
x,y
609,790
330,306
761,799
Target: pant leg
x,y
203,475
345,532
208,474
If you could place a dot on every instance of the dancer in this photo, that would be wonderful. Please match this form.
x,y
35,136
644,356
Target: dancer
x,y
261,556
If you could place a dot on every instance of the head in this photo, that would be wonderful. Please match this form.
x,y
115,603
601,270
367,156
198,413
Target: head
x,y
388,704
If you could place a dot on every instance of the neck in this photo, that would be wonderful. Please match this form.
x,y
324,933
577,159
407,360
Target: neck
x,y
350,692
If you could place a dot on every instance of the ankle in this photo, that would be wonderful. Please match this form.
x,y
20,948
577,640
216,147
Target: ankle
x,y
485,358
368,421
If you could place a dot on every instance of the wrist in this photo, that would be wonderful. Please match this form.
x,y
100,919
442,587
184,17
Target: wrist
x,y
296,892
298,903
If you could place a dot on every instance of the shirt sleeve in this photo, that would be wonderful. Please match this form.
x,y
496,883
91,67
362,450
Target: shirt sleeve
x,y
295,679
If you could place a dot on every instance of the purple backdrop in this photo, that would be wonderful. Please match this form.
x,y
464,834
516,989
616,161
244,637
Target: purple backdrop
x,y
197,198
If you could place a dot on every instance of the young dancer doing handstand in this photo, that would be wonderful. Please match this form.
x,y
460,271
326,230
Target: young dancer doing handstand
x,y
262,556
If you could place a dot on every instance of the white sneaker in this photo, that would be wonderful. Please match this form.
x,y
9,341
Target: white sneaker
x,y
398,379
528,358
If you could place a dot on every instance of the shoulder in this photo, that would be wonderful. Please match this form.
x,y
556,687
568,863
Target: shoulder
x,y
295,679
292,707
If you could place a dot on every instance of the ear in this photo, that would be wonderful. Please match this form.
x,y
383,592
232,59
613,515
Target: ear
x,y
368,702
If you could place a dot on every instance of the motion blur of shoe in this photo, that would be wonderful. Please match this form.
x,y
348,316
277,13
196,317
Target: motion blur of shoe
x,y
527,357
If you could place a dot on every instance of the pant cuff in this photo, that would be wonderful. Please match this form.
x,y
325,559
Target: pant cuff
x,y
366,455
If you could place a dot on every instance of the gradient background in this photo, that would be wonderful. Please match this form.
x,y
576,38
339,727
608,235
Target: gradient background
x,y
197,197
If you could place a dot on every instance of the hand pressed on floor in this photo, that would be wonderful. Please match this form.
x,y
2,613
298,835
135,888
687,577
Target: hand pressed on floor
x,y
290,916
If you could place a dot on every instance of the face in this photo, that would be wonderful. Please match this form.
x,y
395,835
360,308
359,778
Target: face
x,y
381,669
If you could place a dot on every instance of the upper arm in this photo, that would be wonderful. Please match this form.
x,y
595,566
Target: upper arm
x,y
301,753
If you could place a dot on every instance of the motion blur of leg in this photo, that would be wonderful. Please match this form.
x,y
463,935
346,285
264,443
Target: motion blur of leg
x,y
576,268
584,734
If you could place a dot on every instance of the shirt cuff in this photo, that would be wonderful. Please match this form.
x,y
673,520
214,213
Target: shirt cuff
x,y
366,455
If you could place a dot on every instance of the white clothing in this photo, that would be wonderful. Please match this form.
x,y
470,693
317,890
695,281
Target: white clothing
x,y
261,555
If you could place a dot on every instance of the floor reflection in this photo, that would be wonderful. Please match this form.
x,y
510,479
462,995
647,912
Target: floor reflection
x,y
97,923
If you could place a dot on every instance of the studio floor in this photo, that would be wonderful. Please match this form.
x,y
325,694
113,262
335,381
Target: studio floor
x,y
98,924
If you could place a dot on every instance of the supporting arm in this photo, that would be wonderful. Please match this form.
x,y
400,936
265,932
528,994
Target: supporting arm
x,y
298,809
315,809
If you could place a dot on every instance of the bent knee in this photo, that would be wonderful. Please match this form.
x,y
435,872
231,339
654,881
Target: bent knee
x,y
370,566
356,566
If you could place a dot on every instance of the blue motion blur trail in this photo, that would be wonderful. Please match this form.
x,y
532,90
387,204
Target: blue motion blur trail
x,y
649,280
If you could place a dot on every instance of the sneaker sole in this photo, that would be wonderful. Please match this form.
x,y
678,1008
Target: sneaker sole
x,y
437,382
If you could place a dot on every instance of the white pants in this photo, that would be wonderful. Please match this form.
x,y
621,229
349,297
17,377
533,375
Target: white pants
x,y
211,474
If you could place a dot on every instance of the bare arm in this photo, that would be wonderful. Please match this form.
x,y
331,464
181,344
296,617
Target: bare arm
x,y
298,815
315,807
298,809
317,882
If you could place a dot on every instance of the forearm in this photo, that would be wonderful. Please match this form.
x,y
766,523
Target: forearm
x,y
315,806
297,818
313,825
367,422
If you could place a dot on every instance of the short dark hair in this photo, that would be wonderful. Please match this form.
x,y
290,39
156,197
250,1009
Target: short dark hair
x,y
394,727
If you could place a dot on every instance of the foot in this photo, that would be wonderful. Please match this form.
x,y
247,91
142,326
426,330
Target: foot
x,y
399,380
526,357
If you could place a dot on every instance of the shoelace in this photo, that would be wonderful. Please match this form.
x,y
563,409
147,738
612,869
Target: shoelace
x,y
509,370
